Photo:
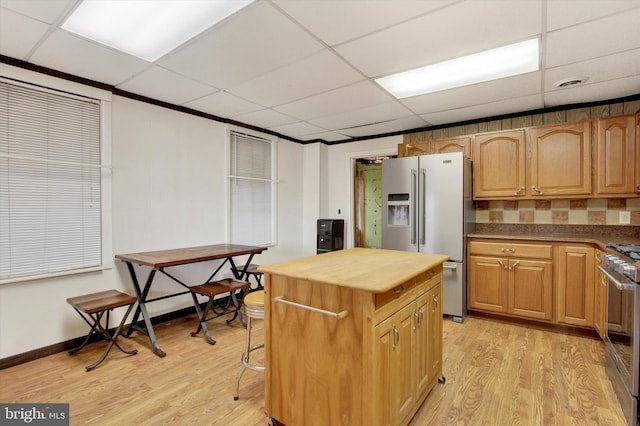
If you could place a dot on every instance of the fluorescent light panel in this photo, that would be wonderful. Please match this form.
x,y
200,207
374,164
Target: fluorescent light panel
x,y
147,29
506,61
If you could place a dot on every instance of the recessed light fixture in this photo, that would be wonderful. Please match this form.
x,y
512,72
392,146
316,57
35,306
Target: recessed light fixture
x,y
571,81
506,61
147,29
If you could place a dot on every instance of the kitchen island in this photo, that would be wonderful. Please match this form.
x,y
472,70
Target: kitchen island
x,y
352,337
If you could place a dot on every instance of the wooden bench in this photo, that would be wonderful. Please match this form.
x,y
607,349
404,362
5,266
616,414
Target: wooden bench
x,y
94,306
211,290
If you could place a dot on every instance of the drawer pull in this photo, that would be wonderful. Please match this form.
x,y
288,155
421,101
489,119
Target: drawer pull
x,y
502,264
508,250
535,188
519,191
338,315
398,291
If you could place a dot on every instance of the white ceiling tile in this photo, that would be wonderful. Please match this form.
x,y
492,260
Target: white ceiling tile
x,y
47,11
464,28
65,52
337,21
492,109
476,94
158,83
325,136
319,73
348,98
593,92
386,127
223,104
619,65
19,34
297,129
563,13
265,118
598,38
369,115
251,43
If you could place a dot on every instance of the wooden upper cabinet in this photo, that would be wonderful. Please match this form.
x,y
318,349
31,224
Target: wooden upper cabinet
x,y
617,157
560,162
436,146
441,146
499,165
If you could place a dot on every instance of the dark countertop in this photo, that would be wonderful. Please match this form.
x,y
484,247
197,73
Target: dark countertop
x,y
600,235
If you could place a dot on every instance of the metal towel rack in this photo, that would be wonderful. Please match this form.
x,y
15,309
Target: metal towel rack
x,y
338,315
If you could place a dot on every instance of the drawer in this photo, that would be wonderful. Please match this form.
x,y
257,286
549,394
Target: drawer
x,y
395,293
511,249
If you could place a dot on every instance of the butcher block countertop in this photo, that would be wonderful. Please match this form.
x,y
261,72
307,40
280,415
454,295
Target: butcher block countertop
x,y
375,270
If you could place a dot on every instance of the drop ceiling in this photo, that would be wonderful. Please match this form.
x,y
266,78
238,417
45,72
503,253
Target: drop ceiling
x,y
305,69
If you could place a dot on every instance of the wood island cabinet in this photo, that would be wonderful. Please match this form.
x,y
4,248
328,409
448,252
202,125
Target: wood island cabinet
x,y
560,162
352,337
512,278
617,157
575,284
499,165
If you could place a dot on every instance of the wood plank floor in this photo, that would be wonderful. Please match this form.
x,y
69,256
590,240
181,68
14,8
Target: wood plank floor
x,y
497,373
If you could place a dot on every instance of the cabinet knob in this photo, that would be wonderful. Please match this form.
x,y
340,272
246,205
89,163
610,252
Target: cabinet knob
x,y
535,188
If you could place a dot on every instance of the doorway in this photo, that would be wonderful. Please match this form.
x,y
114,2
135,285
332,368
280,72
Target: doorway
x,y
368,202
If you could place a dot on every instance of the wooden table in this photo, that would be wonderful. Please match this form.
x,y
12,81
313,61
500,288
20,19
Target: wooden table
x,y
159,260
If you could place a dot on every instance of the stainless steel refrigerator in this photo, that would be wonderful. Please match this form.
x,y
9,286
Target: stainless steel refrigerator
x,y
428,207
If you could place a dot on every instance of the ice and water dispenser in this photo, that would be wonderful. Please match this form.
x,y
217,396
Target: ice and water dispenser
x,y
330,235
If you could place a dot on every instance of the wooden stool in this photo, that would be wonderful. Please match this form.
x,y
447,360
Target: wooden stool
x,y
94,306
254,309
252,270
211,290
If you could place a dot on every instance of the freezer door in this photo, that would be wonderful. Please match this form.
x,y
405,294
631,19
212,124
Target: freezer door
x,y
454,290
442,199
399,203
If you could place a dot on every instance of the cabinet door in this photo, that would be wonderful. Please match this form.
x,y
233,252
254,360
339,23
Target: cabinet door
x,y
488,284
530,288
600,297
394,379
434,333
414,148
499,165
616,160
560,162
441,146
575,285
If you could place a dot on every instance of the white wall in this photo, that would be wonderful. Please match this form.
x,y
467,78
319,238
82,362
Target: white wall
x,y
168,191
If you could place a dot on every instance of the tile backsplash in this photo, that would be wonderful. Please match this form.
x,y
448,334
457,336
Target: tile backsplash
x,y
594,211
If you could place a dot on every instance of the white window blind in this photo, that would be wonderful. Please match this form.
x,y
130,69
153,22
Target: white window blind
x,y
251,190
50,182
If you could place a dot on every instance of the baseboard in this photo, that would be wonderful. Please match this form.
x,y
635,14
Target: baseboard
x,y
73,343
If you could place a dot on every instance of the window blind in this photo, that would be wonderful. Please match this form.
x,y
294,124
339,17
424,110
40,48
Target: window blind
x,y
50,182
251,194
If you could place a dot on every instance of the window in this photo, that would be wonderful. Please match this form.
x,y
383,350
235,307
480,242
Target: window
x,y
251,189
51,217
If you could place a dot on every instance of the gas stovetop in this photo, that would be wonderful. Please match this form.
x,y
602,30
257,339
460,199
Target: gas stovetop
x,y
632,251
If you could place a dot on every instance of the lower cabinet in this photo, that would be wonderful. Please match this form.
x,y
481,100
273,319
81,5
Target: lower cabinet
x,y
575,284
600,297
519,282
408,357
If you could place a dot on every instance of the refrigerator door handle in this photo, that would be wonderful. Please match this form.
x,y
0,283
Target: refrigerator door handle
x,y
422,227
414,204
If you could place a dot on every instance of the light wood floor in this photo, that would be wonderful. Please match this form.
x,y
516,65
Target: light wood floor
x,y
496,374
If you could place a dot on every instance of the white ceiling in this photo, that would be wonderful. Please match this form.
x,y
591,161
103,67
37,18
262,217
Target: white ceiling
x,y
305,68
